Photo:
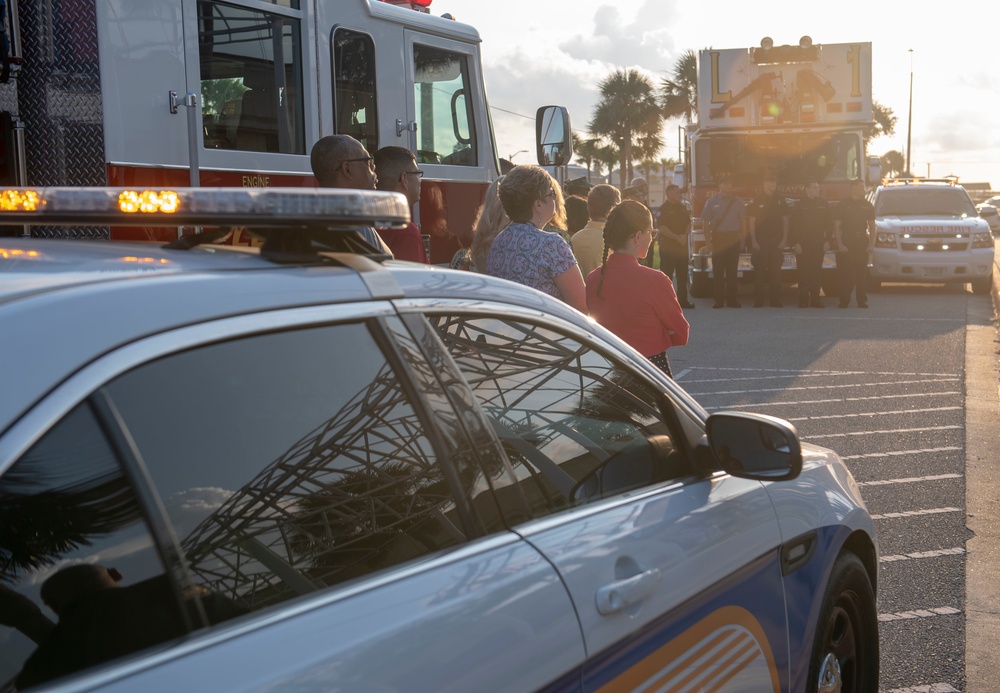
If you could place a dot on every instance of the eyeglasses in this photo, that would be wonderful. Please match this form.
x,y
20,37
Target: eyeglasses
x,y
653,233
369,159
552,193
418,174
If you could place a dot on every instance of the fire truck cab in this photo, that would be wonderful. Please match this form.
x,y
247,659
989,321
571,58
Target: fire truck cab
x,y
204,92
797,112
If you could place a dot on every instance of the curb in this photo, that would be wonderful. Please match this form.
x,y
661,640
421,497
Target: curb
x,y
982,492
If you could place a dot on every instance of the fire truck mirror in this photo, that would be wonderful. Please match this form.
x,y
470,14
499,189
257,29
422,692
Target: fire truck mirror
x,y
553,136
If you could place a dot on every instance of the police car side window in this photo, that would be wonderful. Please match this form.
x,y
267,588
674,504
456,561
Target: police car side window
x,y
80,580
576,426
288,462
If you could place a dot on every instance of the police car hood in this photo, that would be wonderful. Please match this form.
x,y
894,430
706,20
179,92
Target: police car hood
x,y
932,225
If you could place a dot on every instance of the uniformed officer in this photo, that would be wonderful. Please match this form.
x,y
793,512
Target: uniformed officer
x,y
811,226
724,216
854,239
768,221
674,223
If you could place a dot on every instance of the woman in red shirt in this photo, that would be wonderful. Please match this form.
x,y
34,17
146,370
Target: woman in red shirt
x,y
637,303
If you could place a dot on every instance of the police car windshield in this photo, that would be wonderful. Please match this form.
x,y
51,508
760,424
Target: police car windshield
x,y
922,202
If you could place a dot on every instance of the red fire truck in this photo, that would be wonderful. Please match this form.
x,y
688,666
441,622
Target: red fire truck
x,y
161,93
799,112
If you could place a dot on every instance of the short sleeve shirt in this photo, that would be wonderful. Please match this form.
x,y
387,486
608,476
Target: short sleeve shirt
x,y
527,255
768,213
853,216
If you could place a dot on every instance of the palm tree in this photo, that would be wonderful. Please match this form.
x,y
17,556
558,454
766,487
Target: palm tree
x,y
885,122
586,153
679,96
628,116
892,162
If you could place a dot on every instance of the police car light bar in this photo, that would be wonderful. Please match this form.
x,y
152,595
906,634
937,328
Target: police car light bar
x,y
249,207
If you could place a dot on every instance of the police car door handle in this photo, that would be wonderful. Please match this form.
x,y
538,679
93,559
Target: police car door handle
x,y
619,594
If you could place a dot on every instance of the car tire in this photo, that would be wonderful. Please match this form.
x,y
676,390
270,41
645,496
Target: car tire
x,y
982,286
845,655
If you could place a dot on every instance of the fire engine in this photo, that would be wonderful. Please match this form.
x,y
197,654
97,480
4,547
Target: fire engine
x,y
164,93
799,112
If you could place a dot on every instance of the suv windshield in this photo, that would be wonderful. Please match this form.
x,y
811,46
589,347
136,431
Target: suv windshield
x,y
922,202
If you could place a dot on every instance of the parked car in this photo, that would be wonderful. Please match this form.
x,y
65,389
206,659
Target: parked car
x,y
307,467
929,231
991,215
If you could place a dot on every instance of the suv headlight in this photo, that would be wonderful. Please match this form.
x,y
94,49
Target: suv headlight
x,y
982,240
885,239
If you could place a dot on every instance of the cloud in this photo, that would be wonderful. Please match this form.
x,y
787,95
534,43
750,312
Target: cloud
x,y
643,41
188,508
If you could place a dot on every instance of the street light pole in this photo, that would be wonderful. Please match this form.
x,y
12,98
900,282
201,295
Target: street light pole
x,y
909,120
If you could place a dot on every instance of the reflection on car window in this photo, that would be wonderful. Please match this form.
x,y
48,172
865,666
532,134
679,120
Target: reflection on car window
x,y
575,425
445,126
924,202
71,531
288,462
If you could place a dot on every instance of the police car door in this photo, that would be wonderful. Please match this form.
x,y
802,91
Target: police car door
x,y
675,576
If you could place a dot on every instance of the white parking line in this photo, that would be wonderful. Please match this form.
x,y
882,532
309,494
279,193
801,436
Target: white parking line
x,y
920,613
792,370
873,413
836,400
885,432
910,480
926,688
813,387
898,453
916,513
956,551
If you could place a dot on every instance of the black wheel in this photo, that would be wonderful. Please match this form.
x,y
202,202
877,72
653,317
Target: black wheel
x,y
982,286
845,656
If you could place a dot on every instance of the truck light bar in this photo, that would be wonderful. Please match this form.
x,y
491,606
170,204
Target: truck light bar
x,y
249,207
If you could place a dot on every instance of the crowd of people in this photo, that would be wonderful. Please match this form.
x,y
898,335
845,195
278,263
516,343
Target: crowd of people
x,y
593,246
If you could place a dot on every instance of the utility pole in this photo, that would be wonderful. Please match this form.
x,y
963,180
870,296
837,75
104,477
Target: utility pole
x,y
909,120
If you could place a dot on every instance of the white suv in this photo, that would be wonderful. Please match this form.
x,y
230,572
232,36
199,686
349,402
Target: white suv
x,y
930,231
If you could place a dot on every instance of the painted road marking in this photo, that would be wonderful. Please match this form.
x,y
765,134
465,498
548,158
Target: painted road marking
x,y
957,551
837,400
898,453
812,387
920,613
927,688
793,371
886,432
873,413
916,513
910,480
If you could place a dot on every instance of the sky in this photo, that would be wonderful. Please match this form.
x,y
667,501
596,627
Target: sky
x,y
540,52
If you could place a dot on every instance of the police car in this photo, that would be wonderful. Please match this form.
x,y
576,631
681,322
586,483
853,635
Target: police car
x,y
308,467
929,231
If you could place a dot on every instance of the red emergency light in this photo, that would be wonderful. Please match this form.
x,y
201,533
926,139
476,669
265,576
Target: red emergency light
x,y
420,5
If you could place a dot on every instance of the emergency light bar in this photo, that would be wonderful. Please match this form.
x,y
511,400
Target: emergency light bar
x,y
249,207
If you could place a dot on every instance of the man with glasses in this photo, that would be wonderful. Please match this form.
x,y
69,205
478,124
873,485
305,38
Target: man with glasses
x,y
396,171
340,161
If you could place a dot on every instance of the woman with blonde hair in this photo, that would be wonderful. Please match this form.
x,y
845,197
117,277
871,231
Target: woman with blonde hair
x,y
637,303
526,254
490,221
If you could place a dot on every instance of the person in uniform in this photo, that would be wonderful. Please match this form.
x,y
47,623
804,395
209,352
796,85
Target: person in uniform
x,y
724,216
811,226
768,222
854,239
674,223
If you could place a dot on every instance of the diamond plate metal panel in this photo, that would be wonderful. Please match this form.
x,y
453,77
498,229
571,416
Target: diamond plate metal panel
x,y
59,98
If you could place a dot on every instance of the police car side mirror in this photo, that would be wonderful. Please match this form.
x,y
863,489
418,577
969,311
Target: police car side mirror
x,y
754,446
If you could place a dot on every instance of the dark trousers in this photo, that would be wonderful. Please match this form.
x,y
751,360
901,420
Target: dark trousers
x,y
674,263
767,272
725,260
810,269
853,269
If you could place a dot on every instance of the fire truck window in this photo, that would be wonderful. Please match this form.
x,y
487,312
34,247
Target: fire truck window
x,y
793,157
355,108
251,78
445,126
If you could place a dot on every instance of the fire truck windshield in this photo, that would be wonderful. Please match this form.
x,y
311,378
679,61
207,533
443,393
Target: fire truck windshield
x,y
793,157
